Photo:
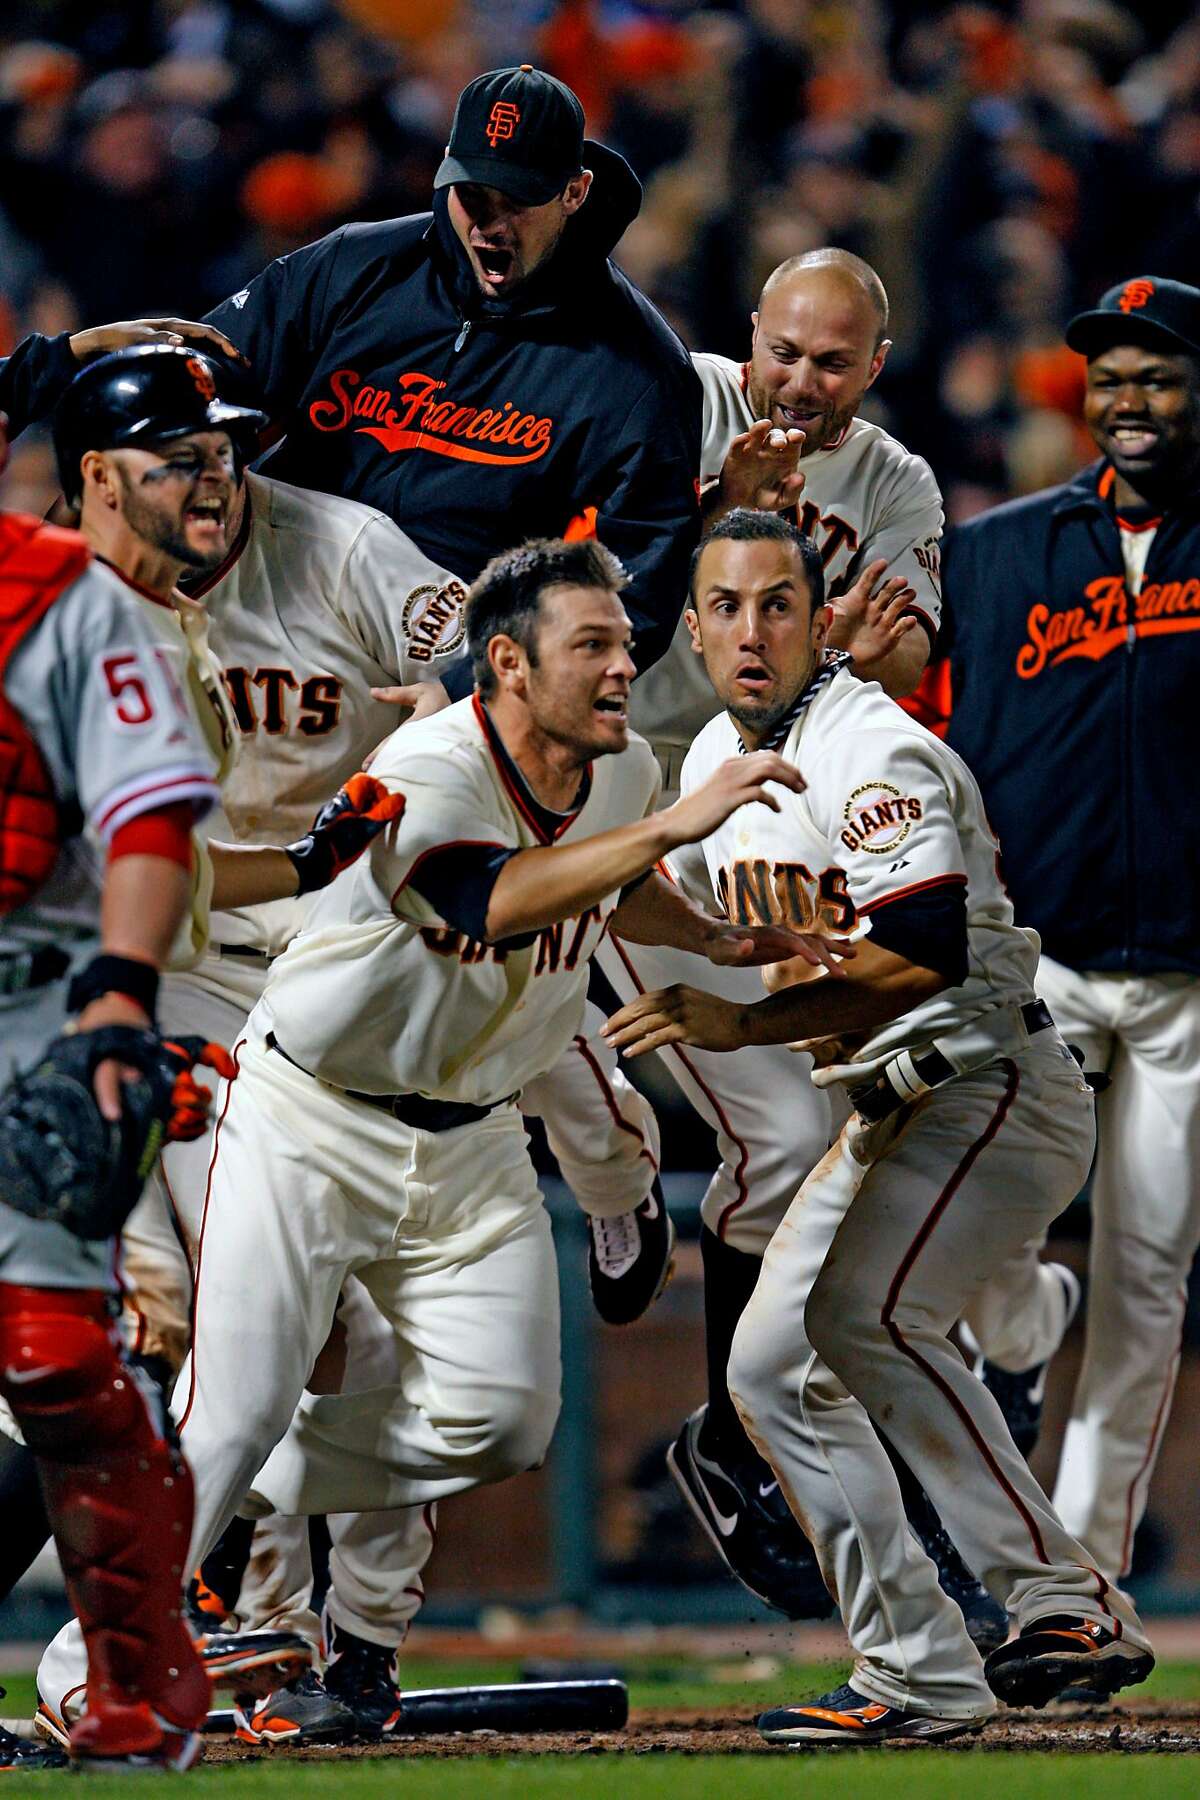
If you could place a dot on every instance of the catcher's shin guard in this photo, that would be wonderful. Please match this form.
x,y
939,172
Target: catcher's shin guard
x,y
119,1498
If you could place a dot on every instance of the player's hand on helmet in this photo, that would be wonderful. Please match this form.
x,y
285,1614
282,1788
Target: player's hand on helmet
x,y
676,1015
762,468
869,619
342,830
99,340
739,782
777,947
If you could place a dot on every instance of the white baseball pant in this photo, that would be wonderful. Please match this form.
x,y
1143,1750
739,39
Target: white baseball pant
x,y
1143,1031
887,1244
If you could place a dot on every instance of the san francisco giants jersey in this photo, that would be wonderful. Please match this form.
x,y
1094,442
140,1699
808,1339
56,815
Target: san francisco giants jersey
x,y
105,704
381,994
865,498
888,812
321,600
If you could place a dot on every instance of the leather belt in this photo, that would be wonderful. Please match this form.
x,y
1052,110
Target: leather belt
x,y
877,1099
249,951
416,1110
25,969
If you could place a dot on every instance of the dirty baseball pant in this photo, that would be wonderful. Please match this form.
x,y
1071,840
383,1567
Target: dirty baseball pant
x,y
884,1248
1143,1031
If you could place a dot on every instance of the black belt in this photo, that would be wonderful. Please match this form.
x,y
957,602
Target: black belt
x,y
247,950
26,969
876,1100
416,1110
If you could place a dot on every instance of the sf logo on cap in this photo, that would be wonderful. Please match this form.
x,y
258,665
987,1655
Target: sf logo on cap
x,y
1135,294
503,120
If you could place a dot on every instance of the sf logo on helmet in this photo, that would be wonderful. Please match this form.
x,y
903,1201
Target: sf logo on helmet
x,y
201,374
503,120
1135,294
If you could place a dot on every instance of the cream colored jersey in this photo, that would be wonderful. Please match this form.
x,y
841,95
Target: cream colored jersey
x,y
888,811
379,993
322,600
865,498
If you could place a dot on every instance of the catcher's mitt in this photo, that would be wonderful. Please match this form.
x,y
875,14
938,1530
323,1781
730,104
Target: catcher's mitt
x,y
61,1160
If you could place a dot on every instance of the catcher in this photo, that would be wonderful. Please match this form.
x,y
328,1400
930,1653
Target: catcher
x,y
78,1131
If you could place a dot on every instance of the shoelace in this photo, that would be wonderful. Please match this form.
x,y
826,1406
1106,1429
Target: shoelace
x,y
617,1244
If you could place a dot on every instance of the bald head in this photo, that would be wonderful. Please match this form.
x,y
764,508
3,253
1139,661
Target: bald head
x,y
843,267
819,342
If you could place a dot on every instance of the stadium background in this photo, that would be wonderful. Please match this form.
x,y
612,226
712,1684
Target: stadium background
x,y
999,164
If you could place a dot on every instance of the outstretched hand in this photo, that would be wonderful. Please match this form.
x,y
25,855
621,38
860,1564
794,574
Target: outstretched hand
x,y
870,619
676,1015
754,946
762,468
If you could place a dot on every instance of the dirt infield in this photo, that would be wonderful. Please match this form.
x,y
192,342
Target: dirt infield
x,y
1137,1728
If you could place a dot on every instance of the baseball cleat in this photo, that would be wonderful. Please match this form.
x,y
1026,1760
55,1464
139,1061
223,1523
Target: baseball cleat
x,y
1060,1652
631,1259
847,1717
1021,1397
745,1517
48,1726
363,1677
26,1754
253,1662
301,1712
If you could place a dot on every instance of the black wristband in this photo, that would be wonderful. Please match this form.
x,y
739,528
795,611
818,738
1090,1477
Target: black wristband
x,y
311,858
115,975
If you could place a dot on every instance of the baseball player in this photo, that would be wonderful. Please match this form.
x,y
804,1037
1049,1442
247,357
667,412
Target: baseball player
x,y
972,1127
97,804
373,1128
820,340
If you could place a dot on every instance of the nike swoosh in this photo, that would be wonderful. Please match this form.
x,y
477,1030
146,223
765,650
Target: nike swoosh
x,y
724,1522
649,1207
19,1376
766,1488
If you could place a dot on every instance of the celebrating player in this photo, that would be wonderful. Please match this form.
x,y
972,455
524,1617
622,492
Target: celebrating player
x,y
482,374
972,1128
373,1126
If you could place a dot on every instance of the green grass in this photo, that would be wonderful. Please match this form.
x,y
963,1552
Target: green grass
x,y
905,1775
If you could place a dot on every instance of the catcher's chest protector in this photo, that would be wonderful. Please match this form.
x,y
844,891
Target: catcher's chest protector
x,y
37,562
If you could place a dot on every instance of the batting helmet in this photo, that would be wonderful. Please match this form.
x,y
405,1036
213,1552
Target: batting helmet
x,y
146,395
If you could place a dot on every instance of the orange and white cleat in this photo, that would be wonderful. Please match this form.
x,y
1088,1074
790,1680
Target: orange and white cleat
x,y
847,1717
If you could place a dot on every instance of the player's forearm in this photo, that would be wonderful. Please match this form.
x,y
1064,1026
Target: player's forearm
x,y
250,875
542,887
144,902
878,987
656,912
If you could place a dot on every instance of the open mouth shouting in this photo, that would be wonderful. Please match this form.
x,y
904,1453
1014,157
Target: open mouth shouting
x,y
207,518
613,708
497,263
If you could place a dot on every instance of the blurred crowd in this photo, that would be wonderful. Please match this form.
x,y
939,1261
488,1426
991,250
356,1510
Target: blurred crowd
x,y
1000,164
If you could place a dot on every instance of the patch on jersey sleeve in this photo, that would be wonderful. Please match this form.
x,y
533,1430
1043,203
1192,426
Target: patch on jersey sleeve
x,y
879,818
434,619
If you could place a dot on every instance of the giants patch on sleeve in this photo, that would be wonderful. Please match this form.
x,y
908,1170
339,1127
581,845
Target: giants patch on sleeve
x,y
879,818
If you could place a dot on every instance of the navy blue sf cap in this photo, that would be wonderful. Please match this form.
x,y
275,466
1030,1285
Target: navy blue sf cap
x,y
1146,310
518,130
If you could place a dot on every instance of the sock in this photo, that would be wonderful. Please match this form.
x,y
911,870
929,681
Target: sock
x,y
730,1277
